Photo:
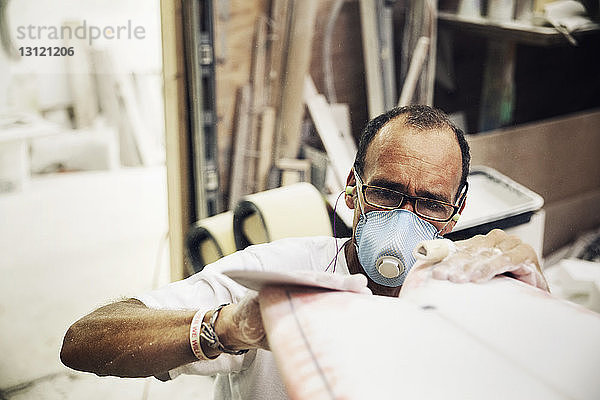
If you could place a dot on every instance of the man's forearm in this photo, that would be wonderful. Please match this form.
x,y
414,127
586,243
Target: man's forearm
x,y
128,339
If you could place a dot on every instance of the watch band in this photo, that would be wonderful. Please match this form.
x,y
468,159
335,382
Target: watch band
x,y
207,332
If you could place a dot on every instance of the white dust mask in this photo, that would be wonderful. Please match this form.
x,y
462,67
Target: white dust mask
x,y
385,241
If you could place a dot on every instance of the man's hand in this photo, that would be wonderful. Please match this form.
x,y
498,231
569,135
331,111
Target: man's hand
x,y
240,325
481,258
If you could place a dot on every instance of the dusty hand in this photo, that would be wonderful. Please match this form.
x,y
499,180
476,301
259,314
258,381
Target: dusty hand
x,y
483,257
240,325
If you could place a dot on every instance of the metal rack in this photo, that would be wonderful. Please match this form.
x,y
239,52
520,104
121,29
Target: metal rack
x,y
200,70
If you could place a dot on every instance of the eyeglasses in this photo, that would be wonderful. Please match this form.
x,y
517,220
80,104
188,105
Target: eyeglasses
x,y
387,199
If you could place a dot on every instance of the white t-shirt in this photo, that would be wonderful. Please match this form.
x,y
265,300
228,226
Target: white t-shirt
x,y
254,374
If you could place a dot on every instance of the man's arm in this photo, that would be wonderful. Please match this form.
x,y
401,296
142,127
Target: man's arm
x,y
127,339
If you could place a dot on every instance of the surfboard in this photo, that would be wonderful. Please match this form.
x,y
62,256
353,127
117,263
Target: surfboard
x,y
441,340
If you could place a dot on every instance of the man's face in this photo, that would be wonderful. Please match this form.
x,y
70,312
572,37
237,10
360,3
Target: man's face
x,y
426,164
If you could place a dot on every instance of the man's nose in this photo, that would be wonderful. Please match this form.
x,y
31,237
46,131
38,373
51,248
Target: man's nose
x,y
408,204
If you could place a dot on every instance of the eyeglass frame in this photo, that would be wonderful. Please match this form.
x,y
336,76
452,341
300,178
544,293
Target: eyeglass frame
x,y
361,186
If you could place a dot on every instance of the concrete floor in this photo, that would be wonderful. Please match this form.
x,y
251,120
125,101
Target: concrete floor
x,y
70,243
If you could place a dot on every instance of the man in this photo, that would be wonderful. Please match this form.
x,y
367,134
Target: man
x,y
408,184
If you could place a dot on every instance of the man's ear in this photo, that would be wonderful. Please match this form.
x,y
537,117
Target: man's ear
x,y
454,220
350,190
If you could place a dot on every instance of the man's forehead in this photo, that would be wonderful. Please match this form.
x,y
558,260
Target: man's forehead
x,y
434,150
397,133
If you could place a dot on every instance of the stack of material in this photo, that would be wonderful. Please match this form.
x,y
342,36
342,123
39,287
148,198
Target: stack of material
x,y
270,108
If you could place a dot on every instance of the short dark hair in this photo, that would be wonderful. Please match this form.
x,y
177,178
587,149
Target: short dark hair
x,y
420,117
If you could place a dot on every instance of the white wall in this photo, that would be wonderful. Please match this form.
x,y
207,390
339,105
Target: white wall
x,y
41,82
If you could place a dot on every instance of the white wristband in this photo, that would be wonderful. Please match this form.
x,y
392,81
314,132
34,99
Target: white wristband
x,y
195,328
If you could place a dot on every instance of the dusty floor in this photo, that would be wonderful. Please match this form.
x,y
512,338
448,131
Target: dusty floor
x,y
70,243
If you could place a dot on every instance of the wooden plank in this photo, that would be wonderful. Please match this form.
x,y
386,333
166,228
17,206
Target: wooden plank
x,y
257,83
340,157
372,59
265,159
385,22
326,50
341,115
414,71
421,21
429,79
176,136
281,11
239,178
258,67
442,340
296,67
233,30
348,70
